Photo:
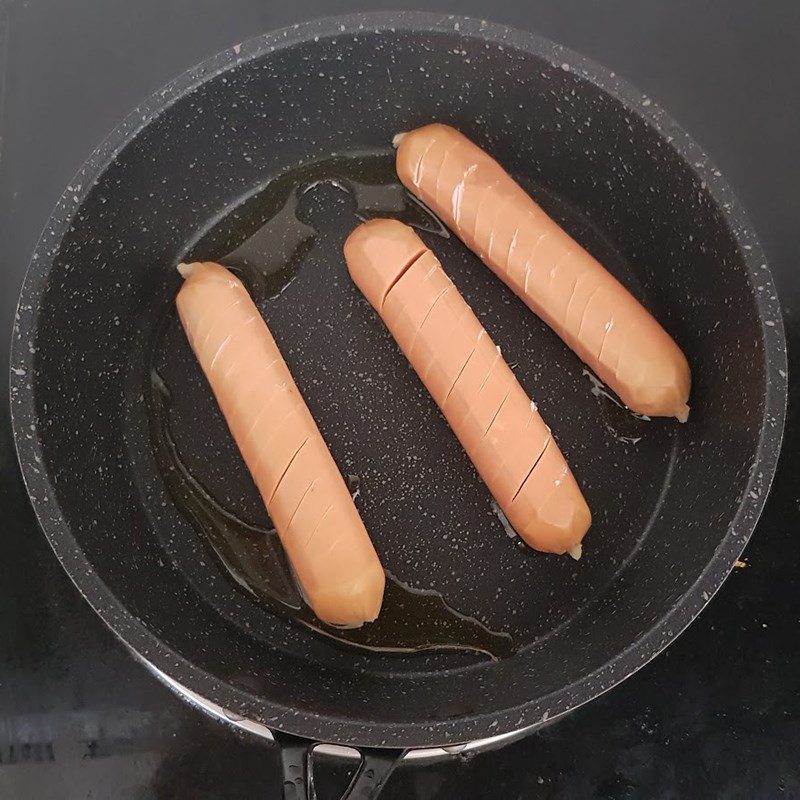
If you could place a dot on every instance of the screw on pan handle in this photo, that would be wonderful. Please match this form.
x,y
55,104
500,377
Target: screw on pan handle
x,y
297,766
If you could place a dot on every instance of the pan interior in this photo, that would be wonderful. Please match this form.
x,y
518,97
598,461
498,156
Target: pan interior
x,y
662,495
433,519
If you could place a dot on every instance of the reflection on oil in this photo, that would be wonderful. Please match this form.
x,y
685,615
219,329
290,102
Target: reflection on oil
x,y
268,259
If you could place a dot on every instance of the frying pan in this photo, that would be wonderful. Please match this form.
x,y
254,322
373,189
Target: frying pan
x,y
673,505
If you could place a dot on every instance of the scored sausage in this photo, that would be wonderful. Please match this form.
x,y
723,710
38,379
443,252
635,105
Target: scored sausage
x,y
306,497
556,278
495,421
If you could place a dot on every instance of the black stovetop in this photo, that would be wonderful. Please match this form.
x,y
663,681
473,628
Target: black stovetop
x,y
718,714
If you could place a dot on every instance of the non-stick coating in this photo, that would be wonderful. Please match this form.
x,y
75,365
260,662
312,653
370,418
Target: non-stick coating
x,y
671,511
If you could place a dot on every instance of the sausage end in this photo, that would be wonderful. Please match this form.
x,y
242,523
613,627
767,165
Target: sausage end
x,y
353,603
377,253
556,526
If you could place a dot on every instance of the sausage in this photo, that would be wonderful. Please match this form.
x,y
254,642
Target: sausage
x,y
555,277
495,421
304,492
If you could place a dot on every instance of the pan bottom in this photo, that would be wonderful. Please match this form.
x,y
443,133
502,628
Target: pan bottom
x,y
433,521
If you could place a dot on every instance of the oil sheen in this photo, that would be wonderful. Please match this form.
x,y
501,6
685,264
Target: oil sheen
x,y
266,239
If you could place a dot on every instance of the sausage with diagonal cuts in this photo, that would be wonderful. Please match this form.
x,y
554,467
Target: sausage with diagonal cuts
x,y
305,494
497,424
556,278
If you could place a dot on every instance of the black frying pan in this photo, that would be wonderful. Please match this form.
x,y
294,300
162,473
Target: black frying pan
x,y
672,509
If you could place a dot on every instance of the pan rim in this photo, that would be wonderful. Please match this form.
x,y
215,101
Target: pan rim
x,y
431,732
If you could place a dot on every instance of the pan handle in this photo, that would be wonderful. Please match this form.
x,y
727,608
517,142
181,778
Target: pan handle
x,y
297,766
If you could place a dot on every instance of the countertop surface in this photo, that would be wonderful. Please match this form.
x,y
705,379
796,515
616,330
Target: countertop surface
x,y
716,715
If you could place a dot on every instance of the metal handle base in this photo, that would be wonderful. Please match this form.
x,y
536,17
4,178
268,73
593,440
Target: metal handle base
x,y
297,766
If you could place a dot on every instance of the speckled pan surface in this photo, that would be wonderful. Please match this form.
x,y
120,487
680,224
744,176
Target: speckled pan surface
x,y
672,510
